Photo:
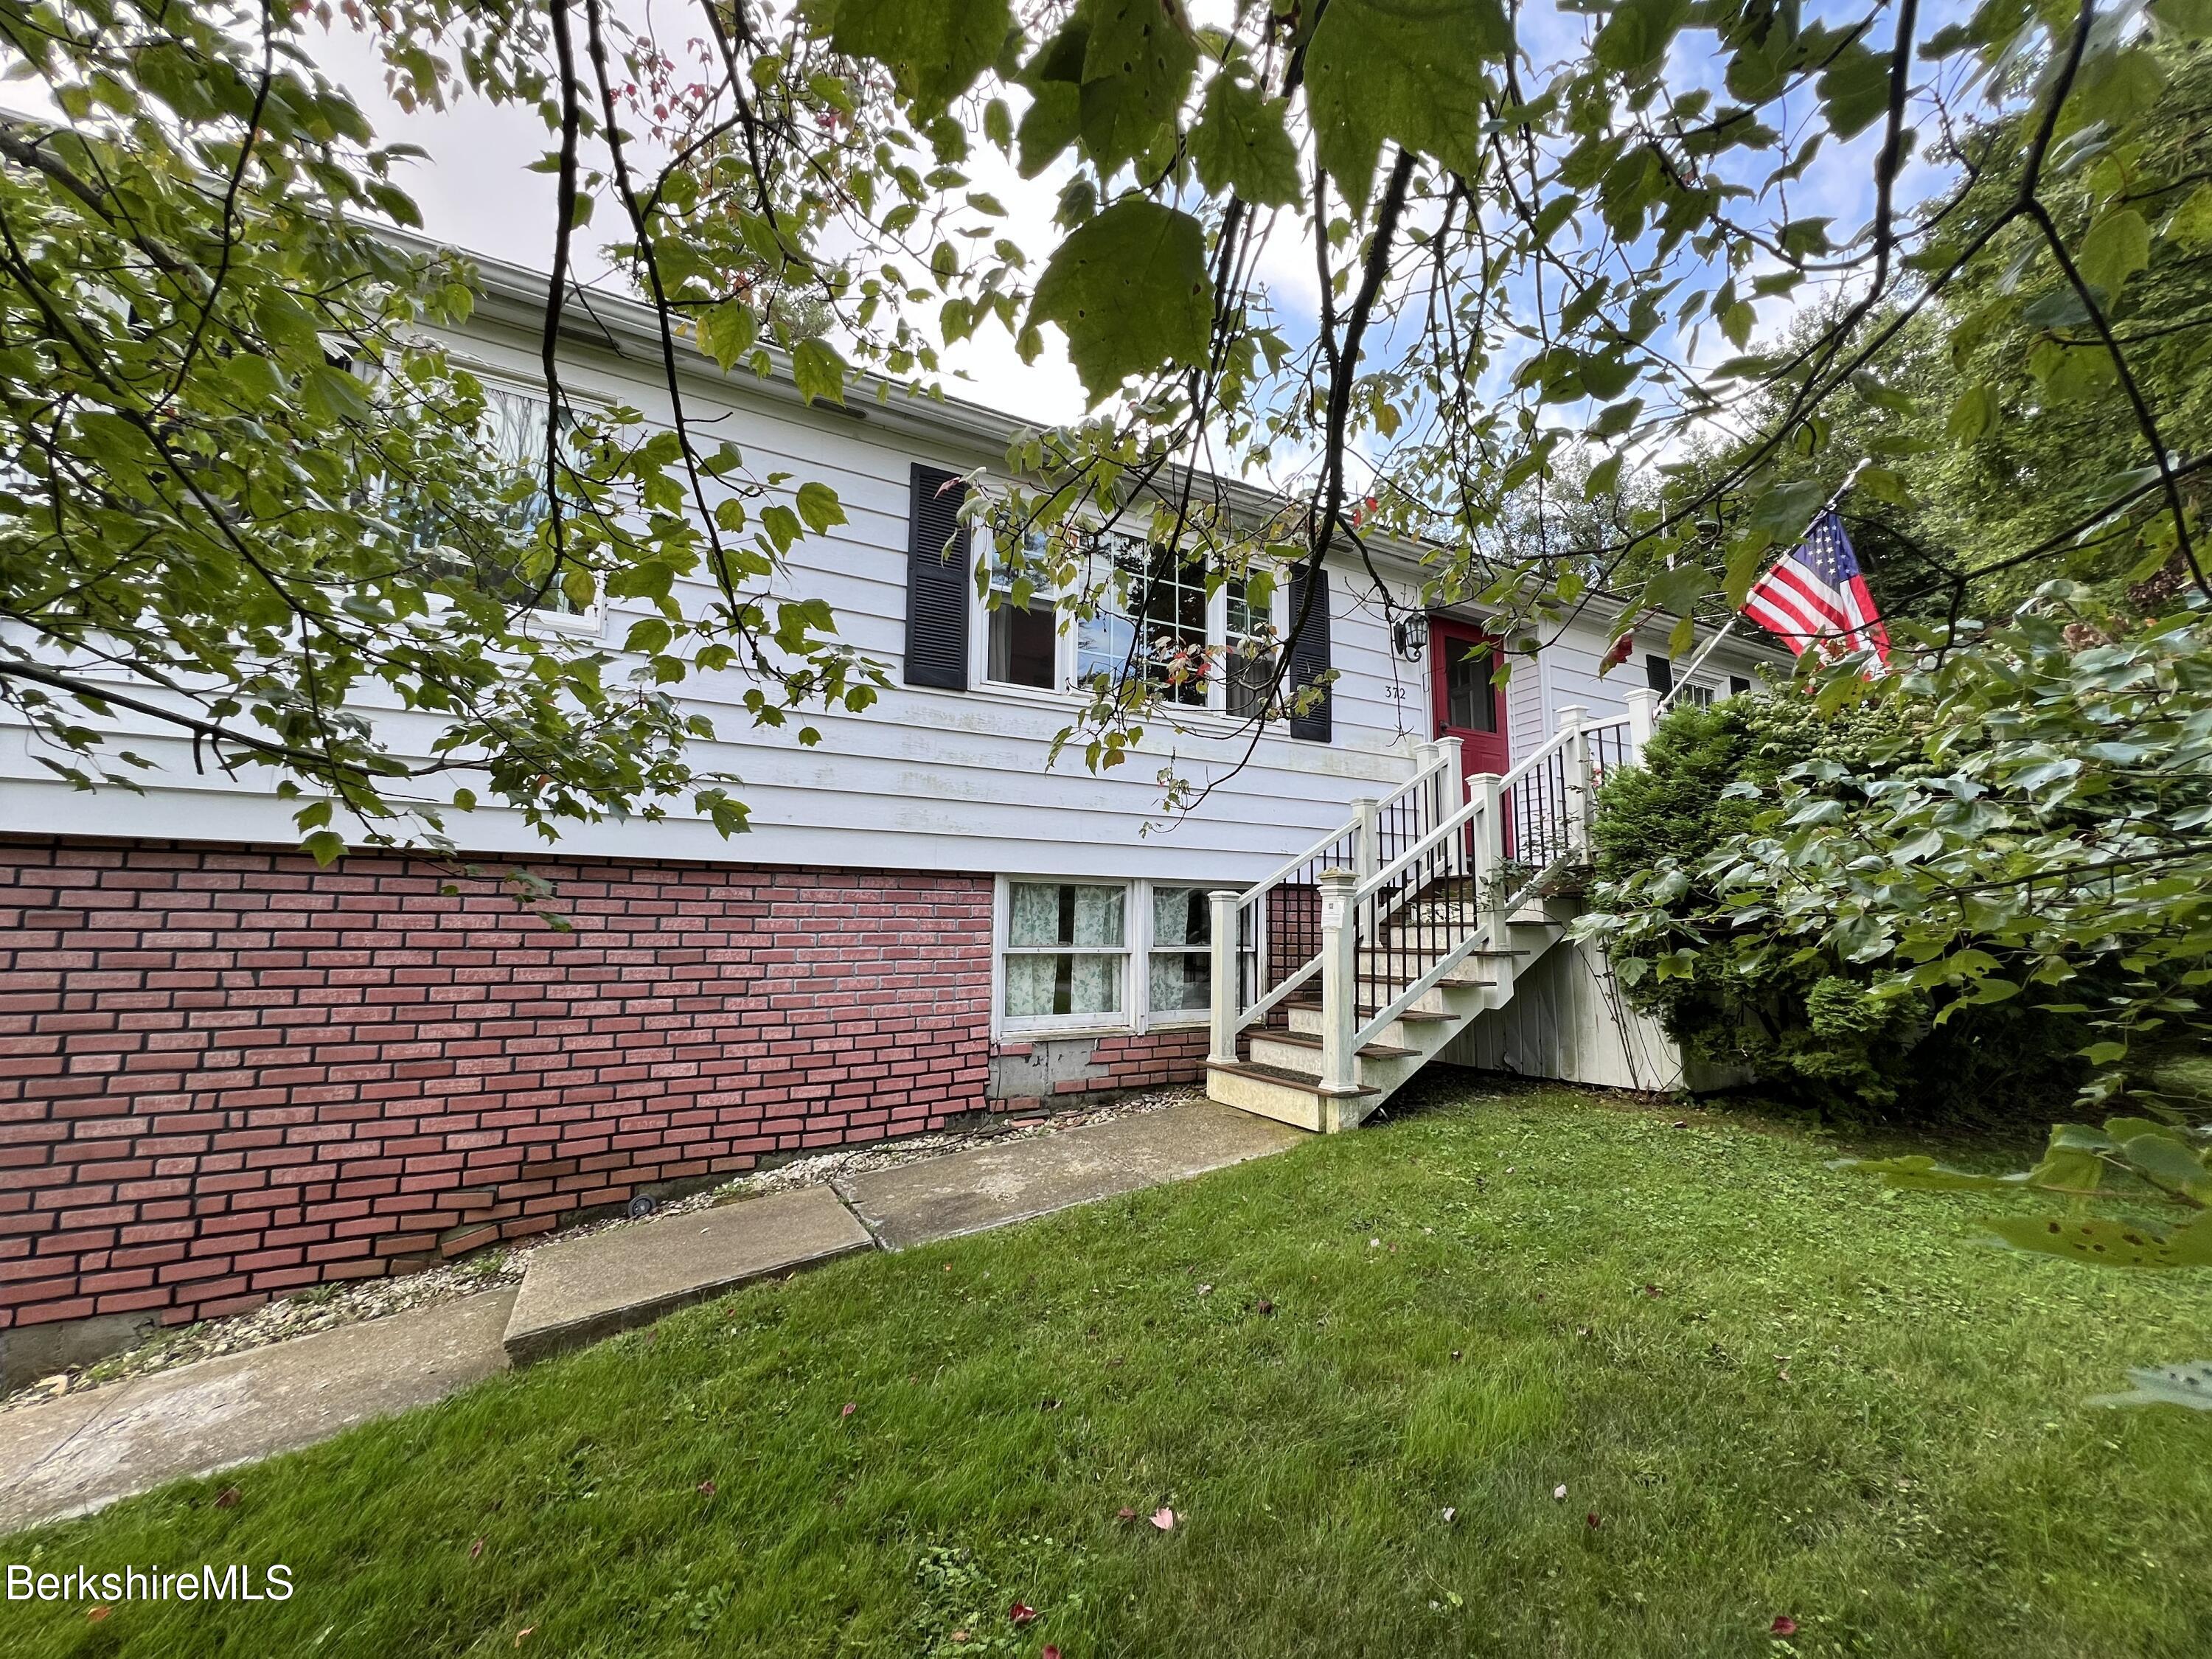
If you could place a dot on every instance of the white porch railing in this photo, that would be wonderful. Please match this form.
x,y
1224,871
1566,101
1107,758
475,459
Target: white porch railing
x,y
1397,900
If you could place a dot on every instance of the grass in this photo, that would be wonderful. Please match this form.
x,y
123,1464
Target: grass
x,y
1768,1390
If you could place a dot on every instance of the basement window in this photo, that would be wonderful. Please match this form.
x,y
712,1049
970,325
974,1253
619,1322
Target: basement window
x,y
1182,979
1065,958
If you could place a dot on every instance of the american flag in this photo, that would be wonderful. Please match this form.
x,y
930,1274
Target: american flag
x,y
1816,596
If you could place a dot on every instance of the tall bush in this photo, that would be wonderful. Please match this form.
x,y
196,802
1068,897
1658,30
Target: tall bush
x,y
1811,1018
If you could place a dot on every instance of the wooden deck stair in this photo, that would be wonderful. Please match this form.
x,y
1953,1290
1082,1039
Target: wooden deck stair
x,y
1278,1074
1430,913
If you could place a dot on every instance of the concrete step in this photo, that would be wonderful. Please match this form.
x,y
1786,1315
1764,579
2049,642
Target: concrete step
x,y
605,1282
1287,1097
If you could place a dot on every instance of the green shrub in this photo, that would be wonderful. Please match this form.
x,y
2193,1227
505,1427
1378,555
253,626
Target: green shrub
x,y
1802,1018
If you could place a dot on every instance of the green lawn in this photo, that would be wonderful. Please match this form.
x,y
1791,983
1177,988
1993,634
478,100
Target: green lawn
x,y
1768,1390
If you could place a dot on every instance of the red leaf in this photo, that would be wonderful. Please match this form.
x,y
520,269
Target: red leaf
x,y
227,1498
1782,1626
850,1407
1051,1651
1591,1520
1021,1612
475,1549
706,1489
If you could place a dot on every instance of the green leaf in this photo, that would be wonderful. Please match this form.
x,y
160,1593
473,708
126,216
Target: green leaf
x,y
1974,416
818,372
2117,247
1855,89
1243,143
1137,67
727,332
2189,1385
2191,223
934,49
1787,508
1129,290
2108,1244
1635,37
818,505
1407,70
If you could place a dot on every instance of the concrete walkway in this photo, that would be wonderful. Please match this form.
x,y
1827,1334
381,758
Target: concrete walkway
x,y
87,1449
84,1451
992,1186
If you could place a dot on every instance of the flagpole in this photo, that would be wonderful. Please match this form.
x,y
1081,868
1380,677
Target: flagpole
x,y
1726,628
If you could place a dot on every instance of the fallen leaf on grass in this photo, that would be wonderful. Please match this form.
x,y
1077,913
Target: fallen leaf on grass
x,y
1591,1521
960,1636
706,1489
475,1549
1051,1651
1021,1612
527,1630
1560,1491
1125,1513
851,1407
1450,1513
1782,1626
1164,1518
95,1614
1266,1308
228,1499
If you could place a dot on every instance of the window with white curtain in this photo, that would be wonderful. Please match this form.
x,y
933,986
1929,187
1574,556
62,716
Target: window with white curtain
x,y
1066,952
1182,977
1103,955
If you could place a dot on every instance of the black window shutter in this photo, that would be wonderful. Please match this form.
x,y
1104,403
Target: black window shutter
x,y
1310,651
937,584
1738,685
1659,674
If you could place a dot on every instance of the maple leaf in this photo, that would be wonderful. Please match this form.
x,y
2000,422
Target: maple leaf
x,y
1021,1612
1164,1518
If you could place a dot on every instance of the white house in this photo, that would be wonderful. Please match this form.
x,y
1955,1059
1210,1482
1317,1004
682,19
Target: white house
x,y
229,1073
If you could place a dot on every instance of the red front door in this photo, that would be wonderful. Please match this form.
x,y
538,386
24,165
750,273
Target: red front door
x,y
1470,704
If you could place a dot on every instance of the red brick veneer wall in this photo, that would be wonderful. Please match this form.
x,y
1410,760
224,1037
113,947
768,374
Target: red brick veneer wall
x,y
226,1074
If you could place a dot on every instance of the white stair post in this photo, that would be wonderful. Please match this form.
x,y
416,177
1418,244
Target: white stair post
x,y
1228,986
1489,847
1572,719
1367,845
1642,714
1340,984
1447,796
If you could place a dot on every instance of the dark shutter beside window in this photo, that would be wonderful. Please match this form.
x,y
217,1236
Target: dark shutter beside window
x,y
1659,674
937,585
1310,651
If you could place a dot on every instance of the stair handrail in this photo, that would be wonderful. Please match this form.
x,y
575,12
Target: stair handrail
x,y
1439,765
1578,737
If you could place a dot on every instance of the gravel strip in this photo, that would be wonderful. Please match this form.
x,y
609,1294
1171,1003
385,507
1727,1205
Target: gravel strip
x,y
324,1306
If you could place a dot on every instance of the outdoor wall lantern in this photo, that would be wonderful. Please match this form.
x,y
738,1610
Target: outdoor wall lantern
x,y
1408,635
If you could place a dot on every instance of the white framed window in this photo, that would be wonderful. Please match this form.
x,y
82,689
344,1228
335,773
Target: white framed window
x,y
1064,956
512,434
1153,619
1081,954
1021,625
1179,954
1697,693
